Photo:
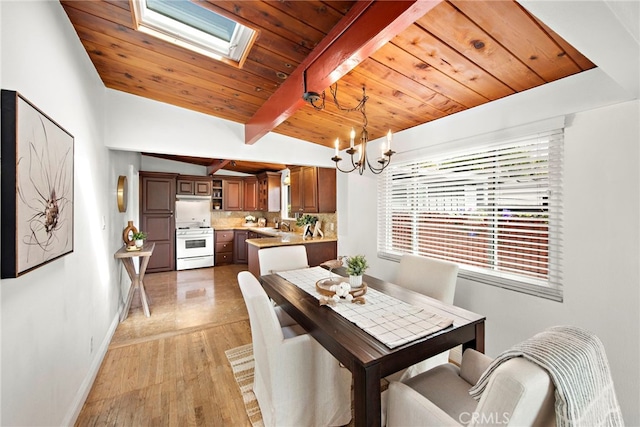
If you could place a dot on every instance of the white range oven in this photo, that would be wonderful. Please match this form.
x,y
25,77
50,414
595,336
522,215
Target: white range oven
x,y
194,235
194,247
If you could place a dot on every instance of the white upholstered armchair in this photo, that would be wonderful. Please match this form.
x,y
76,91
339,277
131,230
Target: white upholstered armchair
x,y
296,381
519,393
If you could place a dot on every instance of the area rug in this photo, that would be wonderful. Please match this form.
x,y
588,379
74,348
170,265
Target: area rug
x,y
241,361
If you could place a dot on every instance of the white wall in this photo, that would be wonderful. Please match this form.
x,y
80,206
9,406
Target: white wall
x,y
155,164
139,124
57,320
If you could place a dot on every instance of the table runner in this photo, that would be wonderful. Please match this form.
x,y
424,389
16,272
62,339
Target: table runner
x,y
389,320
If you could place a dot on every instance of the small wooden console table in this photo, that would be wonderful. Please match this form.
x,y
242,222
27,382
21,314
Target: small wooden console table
x,y
126,257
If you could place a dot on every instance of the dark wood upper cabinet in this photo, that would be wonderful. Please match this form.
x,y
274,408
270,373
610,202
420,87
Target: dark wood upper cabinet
x,y
313,189
202,188
327,190
295,184
193,185
184,186
158,192
250,194
309,189
269,190
157,204
232,193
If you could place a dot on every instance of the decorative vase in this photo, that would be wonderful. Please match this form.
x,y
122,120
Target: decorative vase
x,y
355,281
139,243
127,234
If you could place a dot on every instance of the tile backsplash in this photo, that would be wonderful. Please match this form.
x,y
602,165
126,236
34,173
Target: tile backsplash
x,y
230,219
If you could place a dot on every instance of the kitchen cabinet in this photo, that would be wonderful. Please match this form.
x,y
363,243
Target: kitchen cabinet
x,y
240,247
326,190
250,194
157,203
224,247
232,194
193,185
254,235
216,193
313,189
269,185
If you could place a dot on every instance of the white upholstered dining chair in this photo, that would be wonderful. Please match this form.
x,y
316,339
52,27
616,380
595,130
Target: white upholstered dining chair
x,y
434,278
519,393
296,381
282,258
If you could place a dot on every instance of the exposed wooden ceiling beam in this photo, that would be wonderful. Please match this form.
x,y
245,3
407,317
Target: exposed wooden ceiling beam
x,y
216,166
362,31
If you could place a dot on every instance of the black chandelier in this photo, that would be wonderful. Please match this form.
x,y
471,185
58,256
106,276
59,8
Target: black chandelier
x,y
317,101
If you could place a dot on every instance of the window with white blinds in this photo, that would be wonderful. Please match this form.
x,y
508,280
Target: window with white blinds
x,y
495,210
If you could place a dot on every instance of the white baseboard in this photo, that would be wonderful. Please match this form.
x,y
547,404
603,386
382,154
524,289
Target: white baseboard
x,y
87,383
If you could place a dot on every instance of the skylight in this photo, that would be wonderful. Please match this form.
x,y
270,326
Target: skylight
x,y
194,27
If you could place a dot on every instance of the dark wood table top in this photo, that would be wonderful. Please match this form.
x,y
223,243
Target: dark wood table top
x,y
347,341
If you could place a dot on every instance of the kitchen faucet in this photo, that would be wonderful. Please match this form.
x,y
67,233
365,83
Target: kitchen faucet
x,y
285,225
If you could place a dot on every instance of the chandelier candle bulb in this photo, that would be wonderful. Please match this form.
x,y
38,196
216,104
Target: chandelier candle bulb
x,y
353,135
337,144
389,139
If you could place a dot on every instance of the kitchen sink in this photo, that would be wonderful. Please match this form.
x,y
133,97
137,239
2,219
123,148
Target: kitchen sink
x,y
269,230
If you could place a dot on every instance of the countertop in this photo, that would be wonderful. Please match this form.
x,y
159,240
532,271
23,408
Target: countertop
x,y
281,238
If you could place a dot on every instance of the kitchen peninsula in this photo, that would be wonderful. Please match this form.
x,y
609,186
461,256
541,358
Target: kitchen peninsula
x,y
319,249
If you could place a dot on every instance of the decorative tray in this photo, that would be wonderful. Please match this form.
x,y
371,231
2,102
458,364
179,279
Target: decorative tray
x,y
324,287
132,248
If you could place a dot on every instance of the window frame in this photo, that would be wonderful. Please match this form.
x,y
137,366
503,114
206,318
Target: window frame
x,y
169,29
550,287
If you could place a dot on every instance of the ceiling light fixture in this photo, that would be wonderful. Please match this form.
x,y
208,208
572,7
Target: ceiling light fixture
x,y
317,101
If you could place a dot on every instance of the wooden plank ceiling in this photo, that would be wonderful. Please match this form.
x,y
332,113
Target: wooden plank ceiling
x,y
457,55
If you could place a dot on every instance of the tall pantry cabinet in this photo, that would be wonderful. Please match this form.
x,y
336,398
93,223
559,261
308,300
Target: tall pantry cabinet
x,y
157,219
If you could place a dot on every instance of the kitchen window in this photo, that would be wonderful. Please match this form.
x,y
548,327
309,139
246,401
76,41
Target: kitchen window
x,y
493,208
195,27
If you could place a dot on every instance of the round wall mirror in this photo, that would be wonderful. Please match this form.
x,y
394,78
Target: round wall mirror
x,y
122,193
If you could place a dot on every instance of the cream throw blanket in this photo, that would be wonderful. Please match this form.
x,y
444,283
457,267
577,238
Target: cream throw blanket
x,y
576,361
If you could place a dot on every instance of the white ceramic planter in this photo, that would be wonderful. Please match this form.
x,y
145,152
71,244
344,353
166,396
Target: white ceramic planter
x,y
355,281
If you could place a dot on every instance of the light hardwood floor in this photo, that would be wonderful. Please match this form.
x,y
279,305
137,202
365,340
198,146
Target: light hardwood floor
x,y
170,369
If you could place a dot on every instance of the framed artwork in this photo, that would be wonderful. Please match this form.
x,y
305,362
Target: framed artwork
x,y
37,187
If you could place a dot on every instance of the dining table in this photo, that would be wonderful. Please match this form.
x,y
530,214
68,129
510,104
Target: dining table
x,y
368,358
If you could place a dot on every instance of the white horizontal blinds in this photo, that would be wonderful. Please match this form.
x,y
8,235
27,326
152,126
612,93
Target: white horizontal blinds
x,y
493,209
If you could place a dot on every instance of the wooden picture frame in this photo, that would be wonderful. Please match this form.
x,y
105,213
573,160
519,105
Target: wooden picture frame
x,y
37,187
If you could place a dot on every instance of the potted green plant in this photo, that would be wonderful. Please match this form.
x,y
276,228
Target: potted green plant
x,y
307,221
139,237
356,266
